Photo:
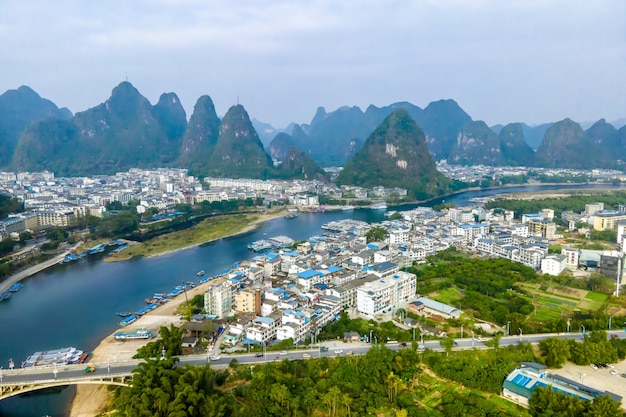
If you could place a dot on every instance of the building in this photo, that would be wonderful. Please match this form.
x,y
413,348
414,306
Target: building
x,y
543,228
607,219
553,264
375,297
572,256
248,301
218,300
611,263
427,307
519,385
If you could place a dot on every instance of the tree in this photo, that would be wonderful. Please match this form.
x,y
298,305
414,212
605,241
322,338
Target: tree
x,y
447,343
555,352
376,234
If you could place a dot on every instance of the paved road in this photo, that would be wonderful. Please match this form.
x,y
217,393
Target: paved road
x,y
335,349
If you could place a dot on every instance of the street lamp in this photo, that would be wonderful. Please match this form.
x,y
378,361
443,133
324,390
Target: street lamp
x,y
610,317
461,331
520,334
508,328
472,337
583,329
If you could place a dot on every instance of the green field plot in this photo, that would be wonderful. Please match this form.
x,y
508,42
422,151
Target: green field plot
x,y
449,296
596,296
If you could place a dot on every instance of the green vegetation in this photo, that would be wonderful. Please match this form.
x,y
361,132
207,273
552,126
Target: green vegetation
x,y
575,203
209,229
548,402
376,234
9,205
381,383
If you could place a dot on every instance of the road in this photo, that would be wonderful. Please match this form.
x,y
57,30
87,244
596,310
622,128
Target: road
x,y
335,349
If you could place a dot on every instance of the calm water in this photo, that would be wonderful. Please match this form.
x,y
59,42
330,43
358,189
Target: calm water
x,y
75,304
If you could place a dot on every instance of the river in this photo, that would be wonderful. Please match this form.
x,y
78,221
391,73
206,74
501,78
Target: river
x,y
74,304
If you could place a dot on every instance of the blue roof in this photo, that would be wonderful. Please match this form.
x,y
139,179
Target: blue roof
x,y
321,286
334,268
271,256
265,320
309,273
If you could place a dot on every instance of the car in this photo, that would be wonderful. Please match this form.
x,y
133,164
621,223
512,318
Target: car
x,y
456,344
339,351
614,372
420,346
323,349
216,358
349,353
403,344
90,369
610,365
306,356
480,339
283,352
614,336
259,355
593,366
622,375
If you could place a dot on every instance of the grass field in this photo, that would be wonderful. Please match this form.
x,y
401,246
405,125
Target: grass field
x,y
449,296
206,231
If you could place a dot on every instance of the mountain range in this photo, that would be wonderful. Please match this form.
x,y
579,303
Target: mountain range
x,y
128,131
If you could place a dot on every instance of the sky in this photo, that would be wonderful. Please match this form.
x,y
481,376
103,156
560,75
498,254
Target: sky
x,y
530,61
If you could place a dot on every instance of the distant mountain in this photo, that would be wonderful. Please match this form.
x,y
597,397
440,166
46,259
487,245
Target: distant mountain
x,y
566,144
296,164
476,144
280,146
396,155
124,132
515,150
239,152
533,135
200,137
266,131
18,109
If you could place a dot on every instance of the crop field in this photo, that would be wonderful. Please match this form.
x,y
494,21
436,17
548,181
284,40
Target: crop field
x,y
562,302
449,296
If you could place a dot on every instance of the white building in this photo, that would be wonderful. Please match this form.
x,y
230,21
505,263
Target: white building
x,y
218,300
373,298
553,264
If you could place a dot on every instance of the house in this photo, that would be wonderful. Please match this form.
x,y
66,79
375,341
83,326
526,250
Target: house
x,y
426,306
189,342
351,337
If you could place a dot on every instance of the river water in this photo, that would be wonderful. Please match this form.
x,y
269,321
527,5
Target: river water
x,y
74,304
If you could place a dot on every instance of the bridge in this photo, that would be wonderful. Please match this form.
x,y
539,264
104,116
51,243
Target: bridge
x,y
23,380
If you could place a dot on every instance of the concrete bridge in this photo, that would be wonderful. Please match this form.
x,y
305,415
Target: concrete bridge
x,y
23,380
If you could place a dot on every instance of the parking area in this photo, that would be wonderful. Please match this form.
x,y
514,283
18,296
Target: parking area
x,y
601,378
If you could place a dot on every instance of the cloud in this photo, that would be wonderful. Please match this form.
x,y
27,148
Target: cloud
x,y
526,60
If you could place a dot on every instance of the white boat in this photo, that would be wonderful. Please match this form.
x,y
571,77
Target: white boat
x,y
63,356
200,273
137,334
347,208
379,207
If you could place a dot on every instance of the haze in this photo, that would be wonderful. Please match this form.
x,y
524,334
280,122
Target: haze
x,y
530,61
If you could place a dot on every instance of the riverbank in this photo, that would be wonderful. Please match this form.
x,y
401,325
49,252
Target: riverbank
x,y
196,235
90,399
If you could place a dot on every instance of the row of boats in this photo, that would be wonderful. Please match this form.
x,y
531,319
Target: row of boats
x,y
63,356
100,248
14,288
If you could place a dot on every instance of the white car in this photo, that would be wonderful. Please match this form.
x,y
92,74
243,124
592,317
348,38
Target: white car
x,y
614,372
216,358
283,352
306,356
338,351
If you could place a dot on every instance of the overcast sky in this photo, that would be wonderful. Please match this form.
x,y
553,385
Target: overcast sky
x,y
503,61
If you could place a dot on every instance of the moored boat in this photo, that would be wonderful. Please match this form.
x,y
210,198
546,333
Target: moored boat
x,y
137,334
63,356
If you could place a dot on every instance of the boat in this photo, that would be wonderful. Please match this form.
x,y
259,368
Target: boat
x,y
124,313
128,320
16,287
290,215
5,295
63,356
347,208
379,207
260,245
200,273
137,334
